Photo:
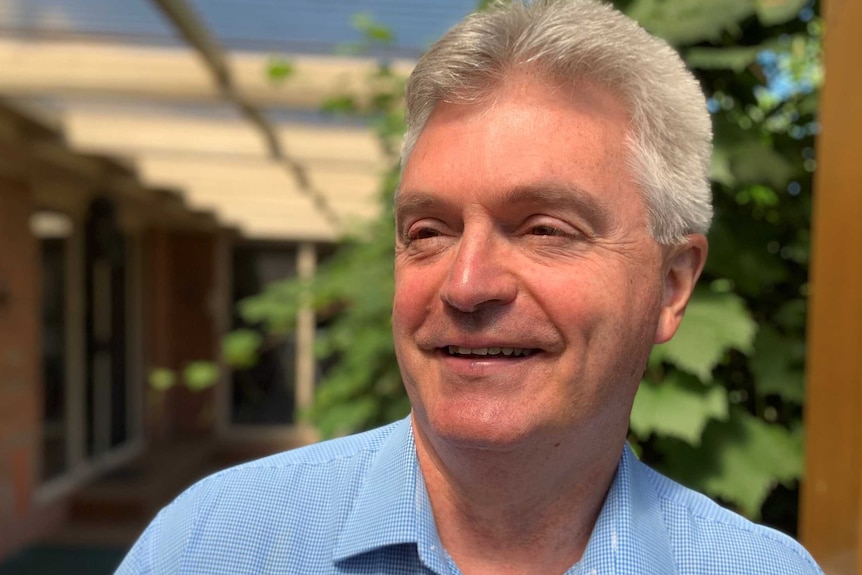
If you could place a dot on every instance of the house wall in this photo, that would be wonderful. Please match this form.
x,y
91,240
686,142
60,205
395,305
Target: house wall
x,y
20,385
181,327
40,173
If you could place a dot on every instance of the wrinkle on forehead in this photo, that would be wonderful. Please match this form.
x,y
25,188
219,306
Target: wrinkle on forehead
x,y
520,81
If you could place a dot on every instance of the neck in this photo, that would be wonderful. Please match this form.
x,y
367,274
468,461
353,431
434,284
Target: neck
x,y
525,510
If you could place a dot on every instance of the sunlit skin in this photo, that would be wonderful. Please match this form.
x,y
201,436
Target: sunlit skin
x,y
519,225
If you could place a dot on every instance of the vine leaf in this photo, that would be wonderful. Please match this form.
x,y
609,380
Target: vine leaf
x,y
772,12
777,365
736,59
754,162
680,406
714,323
740,460
690,21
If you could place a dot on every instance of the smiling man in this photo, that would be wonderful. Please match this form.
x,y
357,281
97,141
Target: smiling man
x,y
529,292
550,230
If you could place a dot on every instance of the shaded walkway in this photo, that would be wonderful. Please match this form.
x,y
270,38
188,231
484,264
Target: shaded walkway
x,y
64,560
106,516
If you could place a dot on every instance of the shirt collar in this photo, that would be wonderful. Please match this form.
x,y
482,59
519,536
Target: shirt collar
x,y
392,505
392,508
630,536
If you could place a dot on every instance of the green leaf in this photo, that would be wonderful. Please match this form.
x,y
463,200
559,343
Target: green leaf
x,y
740,460
792,315
162,379
772,12
719,169
200,375
808,104
340,105
754,162
736,59
690,21
777,365
345,418
280,69
484,5
373,31
713,324
680,406
741,253
762,196
240,348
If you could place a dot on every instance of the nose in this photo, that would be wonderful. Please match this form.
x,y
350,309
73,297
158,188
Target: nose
x,y
480,274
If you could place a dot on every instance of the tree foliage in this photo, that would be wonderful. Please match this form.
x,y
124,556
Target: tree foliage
x,y
720,405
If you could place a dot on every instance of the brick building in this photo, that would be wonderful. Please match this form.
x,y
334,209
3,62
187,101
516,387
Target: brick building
x,y
89,264
150,176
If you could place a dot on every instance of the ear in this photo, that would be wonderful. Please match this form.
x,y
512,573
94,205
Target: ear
x,y
682,266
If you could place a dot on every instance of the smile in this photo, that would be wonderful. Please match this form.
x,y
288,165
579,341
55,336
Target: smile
x,y
458,351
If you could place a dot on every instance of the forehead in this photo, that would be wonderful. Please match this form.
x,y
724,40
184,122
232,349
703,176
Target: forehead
x,y
526,135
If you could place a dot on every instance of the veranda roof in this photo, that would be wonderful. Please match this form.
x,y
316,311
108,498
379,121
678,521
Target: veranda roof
x,y
179,89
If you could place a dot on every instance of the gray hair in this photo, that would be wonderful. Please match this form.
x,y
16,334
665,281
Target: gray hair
x,y
569,40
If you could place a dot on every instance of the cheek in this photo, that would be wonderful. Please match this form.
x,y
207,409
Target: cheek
x,y
581,298
412,297
597,303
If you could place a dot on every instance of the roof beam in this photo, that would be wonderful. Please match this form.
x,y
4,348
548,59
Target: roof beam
x,y
135,74
181,15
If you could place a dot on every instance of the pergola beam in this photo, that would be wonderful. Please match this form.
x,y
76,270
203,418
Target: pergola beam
x,y
31,68
196,34
831,513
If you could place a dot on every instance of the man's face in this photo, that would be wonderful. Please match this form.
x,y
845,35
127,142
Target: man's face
x,y
528,291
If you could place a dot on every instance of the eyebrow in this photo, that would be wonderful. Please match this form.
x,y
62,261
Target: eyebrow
x,y
564,196
556,195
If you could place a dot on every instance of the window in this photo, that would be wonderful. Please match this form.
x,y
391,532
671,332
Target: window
x,y
53,230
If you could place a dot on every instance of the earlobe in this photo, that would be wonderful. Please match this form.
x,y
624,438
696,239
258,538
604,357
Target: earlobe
x,y
683,265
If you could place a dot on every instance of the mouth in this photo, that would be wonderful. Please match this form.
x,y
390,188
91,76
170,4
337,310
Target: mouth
x,y
487,352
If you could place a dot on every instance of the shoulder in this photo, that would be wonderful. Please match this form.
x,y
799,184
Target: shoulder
x,y
707,538
308,470
330,452
241,515
311,467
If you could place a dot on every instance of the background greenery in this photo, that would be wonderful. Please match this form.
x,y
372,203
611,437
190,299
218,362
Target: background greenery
x,y
720,406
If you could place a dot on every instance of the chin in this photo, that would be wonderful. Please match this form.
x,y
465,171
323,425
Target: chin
x,y
482,427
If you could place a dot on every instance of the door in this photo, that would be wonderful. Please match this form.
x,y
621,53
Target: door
x,y
106,411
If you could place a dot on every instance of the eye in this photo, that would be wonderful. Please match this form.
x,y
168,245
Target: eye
x,y
545,230
421,233
549,230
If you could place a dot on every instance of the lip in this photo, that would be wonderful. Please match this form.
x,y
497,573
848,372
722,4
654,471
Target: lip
x,y
475,343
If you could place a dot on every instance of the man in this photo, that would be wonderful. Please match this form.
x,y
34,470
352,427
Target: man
x,y
550,229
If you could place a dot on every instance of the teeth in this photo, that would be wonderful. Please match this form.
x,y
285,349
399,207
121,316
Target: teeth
x,y
507,351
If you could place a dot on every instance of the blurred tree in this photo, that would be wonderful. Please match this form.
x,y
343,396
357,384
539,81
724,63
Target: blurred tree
x,y
720,405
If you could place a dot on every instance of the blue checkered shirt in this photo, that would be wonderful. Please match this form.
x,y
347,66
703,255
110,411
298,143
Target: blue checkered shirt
x,y
359,505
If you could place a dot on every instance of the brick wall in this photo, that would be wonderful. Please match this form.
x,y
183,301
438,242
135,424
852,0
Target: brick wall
x,y
20,388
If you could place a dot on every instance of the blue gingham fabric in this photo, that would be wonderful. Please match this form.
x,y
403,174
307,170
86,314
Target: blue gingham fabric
x,y
359,505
